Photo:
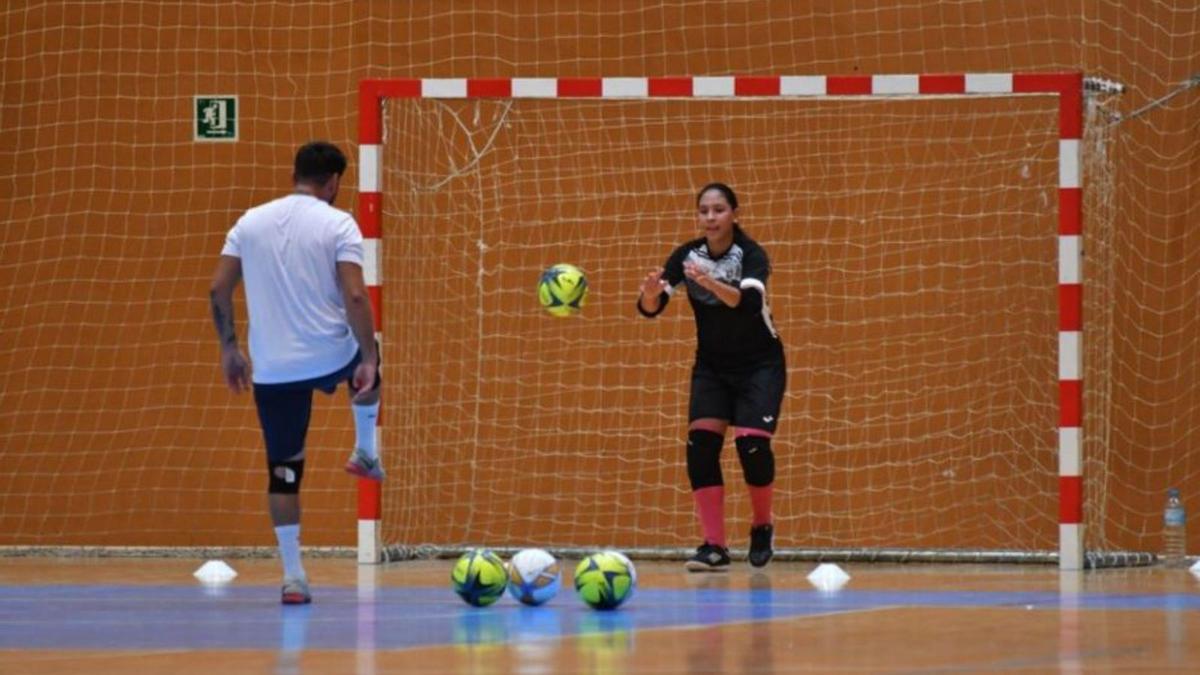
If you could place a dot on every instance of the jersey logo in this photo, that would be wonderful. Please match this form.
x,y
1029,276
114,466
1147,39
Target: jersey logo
x,y
768,418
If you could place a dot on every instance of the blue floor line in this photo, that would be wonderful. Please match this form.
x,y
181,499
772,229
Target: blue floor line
x,y
249,617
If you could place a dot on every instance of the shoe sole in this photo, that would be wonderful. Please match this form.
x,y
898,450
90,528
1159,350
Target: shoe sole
x,y
354,470
697,566
296,599
763,563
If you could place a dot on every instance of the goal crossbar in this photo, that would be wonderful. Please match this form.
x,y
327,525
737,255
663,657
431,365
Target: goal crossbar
x,y
1066,87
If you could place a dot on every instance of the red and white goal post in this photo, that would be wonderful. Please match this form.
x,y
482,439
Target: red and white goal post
x,y
1066,87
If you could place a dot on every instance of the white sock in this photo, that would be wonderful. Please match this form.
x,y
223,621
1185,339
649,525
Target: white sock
x,y
288,537
364,428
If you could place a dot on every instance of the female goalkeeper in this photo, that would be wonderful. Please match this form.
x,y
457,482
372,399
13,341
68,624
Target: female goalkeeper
x,y
739,374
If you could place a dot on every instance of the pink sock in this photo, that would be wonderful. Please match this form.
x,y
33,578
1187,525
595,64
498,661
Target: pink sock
x,y
710,506
760,503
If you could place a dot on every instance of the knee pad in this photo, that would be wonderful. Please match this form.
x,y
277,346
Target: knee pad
x,y
285,476
704,458
758,462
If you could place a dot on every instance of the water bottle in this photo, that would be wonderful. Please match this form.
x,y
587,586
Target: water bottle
x,y
1174,531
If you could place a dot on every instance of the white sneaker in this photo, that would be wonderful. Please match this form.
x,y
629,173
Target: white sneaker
x,y
364,467
295,592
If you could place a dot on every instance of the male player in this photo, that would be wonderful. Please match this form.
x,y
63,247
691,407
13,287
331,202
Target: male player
x,y
311,327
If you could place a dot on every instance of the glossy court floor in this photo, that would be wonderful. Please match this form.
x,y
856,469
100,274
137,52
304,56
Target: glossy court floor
x,y
115,615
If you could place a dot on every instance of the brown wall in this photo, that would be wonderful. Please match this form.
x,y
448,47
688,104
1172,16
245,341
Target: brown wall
x,y
114,428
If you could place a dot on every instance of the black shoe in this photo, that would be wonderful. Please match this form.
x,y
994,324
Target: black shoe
x,y
709,558
760,544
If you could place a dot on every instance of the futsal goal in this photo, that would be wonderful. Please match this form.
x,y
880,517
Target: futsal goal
x,y
924,233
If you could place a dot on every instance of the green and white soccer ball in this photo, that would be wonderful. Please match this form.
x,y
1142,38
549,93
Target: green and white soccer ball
x,y
479,577
562,289
606,579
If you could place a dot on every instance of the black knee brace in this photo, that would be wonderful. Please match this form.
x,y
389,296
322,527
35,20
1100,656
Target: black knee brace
x,y
285,476
758,462
704,458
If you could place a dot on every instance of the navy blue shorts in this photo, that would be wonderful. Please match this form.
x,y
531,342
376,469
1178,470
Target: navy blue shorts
x,y
284,409
748,397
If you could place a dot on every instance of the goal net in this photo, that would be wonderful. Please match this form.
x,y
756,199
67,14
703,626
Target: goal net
x,y
913,239
916,266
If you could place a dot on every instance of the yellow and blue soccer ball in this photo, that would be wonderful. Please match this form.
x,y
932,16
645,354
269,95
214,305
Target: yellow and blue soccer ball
x,y
479,577
562,290
534,576
604,580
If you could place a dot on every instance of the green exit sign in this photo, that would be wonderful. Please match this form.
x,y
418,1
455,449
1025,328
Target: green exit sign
x,y
216,118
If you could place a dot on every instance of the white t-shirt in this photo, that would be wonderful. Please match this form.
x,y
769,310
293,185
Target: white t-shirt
x,y
289,249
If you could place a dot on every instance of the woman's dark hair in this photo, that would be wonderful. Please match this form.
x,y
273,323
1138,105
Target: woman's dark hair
x,y
723,189
318,161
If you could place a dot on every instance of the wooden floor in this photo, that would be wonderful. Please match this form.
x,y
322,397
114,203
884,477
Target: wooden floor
x,y
150,615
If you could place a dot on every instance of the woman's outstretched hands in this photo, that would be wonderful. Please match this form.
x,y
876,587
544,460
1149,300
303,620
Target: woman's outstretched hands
x,y
652,287
653,284
697,274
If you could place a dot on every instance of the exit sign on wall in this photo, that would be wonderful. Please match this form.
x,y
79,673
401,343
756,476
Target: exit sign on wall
x,y
216,118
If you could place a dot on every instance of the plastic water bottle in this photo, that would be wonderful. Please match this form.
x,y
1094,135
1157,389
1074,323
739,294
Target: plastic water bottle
x,y
1174,531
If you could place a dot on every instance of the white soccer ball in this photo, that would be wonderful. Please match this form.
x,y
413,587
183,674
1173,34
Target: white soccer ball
x,y
534,576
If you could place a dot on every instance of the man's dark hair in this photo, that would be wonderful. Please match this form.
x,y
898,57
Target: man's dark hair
x,y
317,162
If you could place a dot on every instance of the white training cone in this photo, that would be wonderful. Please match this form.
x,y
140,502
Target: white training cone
x,y
828,577
1195,569
215,572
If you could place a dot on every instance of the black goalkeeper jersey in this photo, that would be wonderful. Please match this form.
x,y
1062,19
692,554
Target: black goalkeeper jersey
x,y
727,336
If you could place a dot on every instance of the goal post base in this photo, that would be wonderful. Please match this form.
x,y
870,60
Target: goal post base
x,y
1092,559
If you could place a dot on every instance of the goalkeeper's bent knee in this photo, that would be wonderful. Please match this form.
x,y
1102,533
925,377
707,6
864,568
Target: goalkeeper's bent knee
x,y
285,477
758,462
704,458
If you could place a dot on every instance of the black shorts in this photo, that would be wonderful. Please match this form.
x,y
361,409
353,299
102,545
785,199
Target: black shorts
x,y
284,409
748,397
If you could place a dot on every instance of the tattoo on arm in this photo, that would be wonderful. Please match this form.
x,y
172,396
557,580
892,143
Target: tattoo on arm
x,y
223,320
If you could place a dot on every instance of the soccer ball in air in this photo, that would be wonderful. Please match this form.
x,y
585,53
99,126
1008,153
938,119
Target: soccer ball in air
x,y
534,576
479,577
606,579
562,289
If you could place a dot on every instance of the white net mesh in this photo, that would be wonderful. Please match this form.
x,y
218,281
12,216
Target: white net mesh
x,y
914,251
114,428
